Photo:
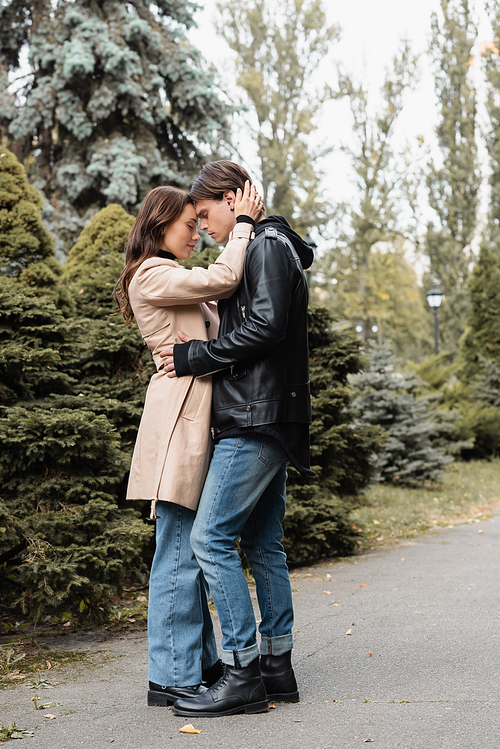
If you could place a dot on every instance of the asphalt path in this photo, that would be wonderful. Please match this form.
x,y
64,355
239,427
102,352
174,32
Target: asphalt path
x,y
397,648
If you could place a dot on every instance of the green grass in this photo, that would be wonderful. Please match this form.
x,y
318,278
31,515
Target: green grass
x,y
469,492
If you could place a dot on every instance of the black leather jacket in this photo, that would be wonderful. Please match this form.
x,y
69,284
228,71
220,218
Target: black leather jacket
x,y
260,360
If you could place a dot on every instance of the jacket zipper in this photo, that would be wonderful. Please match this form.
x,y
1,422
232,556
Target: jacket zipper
x,y
244,313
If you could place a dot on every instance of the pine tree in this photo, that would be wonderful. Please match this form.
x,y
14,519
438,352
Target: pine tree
x,y
390,399
279,47
453,187
23,237
59,469
317,521
117,103
96,261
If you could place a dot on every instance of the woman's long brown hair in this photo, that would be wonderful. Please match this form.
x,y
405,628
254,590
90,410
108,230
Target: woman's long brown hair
x,y
161,207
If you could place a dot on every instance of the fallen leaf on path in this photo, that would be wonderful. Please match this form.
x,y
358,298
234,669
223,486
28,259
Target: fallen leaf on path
x,y
480,531
49,664
349,632
329,592
272,706
363,586
50,716
132,621
297,720
189,728
336,603
68,624
402,559
368,741
380,538
368,655
328,576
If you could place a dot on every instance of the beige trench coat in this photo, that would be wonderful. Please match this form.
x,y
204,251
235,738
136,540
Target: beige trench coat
x,y
174,445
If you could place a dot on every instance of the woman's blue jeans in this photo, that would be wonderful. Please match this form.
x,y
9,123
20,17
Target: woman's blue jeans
x,y
244,495
180,631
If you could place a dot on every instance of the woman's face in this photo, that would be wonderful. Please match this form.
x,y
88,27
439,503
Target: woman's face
x,y
180,237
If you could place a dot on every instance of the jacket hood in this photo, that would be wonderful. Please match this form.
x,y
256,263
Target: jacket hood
x,y
303,250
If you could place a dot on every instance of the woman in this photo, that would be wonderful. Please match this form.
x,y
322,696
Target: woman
x,y
173,445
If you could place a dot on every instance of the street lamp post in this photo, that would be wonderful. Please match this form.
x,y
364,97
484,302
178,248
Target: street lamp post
x,y
434,299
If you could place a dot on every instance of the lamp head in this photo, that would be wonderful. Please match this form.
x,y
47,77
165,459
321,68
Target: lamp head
x,y
434,297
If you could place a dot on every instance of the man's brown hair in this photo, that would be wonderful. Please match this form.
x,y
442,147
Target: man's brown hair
x,y
217,178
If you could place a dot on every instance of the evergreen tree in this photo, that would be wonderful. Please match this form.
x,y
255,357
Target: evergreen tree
x,y
390,399
59,469
453,186
96,261
279,47
117,102
23,237
317,521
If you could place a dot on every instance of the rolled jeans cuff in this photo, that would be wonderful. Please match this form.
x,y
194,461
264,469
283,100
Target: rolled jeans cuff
x,y
276,645
240,658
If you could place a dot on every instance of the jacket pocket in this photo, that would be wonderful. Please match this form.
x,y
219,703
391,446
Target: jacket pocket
x,y
192,401
235,373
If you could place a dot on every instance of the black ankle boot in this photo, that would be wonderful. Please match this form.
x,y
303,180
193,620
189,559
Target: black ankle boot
x,y
278,677
210,676
241,690
159,696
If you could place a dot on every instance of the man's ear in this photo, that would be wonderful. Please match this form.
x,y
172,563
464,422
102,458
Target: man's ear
x,y
230,198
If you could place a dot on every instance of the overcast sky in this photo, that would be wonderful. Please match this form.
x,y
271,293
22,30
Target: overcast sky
x,y
371,33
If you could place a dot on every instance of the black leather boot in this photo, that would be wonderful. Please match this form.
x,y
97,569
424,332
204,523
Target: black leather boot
x,y
210,676
278,677
159,696
241,690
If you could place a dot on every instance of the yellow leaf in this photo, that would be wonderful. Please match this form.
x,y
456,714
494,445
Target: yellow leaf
x,y
329,592
349,632
50,717
189,728
336,603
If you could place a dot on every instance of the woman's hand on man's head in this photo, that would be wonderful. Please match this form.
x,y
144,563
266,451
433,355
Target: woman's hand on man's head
x,y
248,203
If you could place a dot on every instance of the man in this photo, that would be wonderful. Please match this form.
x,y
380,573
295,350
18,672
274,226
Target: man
x,y
261,417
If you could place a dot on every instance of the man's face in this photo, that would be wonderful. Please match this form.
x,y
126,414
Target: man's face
x,y
216,217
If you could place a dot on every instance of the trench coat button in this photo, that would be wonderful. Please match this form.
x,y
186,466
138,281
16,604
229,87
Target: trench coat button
x,y
249,408
207,323
294,395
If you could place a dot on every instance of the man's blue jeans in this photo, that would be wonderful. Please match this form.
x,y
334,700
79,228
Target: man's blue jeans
x,y
244,495
180,631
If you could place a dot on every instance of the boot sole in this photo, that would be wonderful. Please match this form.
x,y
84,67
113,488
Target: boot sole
x,y
284,697
157,699
255,707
